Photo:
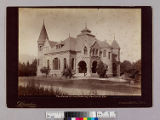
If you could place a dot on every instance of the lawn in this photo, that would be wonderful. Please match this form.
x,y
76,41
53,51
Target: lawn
x,y
81,86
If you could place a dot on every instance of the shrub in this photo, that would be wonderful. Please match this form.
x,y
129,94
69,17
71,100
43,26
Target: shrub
x,y
67,72
45,70
102,69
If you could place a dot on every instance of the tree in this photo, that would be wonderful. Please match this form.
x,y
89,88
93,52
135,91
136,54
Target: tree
x,y
101,69
137,65
27,69
45,70
125,66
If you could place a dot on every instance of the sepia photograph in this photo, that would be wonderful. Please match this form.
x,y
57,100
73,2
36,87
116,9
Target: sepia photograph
x,y
79,52
79,57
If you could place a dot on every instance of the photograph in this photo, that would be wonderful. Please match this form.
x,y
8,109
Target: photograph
x,y
79,52
79,57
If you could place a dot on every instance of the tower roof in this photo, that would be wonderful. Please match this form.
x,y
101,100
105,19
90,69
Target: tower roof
x,y
86,31
115,44
43,34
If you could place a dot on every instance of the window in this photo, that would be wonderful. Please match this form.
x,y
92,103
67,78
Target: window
x,y
72,63
85,50
59,46
104,53
59,64
109,55
40,48
100,53
96,51
55,64
65,63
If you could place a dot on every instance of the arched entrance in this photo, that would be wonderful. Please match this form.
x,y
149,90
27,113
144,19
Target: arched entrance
x,y
82,67
94,66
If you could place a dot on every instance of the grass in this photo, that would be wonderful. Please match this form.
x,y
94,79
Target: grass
x,y
91,85
35,91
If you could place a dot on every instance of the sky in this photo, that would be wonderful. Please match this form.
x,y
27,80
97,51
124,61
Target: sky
x,y
124,24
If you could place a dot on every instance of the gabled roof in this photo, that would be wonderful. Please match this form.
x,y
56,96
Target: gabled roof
x,y
43,35
115,44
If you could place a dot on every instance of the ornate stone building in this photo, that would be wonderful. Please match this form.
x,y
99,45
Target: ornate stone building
x,y
81,54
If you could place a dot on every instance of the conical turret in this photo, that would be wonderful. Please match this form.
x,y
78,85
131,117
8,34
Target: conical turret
x,y
43,35
115,45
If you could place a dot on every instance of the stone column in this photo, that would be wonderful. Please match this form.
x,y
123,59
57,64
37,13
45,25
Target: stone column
x,y
88,68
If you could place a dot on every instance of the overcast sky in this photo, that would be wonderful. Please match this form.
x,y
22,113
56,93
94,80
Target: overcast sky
x,y
104,23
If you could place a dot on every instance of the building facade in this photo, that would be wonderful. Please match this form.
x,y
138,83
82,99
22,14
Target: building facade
x,y
81,54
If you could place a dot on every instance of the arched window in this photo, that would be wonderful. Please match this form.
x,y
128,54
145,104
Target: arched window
x,y
55,64
85,50
40,48
104,53
96,51
72,63
65,63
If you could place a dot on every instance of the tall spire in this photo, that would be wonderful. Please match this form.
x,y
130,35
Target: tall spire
x,y
43,34
115,44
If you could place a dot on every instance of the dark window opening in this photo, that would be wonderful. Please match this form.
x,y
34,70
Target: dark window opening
x,y
65,63
72,63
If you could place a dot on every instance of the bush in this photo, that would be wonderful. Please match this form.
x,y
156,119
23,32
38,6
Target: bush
x,y
45,70
102,69
67,72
